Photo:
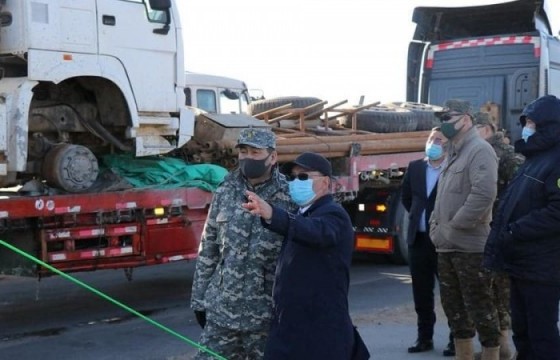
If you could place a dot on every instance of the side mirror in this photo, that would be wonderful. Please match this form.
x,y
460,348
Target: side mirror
x,y
255,94
160,5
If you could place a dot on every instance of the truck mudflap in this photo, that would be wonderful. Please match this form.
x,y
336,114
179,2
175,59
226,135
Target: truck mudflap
x,y
103,231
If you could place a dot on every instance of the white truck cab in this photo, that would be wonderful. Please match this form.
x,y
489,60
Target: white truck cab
x,y
84,78
216,94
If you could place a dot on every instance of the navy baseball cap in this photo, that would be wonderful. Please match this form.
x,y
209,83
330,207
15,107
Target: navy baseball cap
x,y
310,161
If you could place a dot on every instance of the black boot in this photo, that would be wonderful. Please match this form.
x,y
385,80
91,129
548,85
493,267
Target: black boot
x,y
450,348
421,346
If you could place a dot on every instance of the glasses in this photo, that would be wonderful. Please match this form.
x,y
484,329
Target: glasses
x,y
449,116
301,176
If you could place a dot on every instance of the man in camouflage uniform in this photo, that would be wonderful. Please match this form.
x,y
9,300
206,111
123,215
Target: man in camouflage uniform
x,y
232,286
508,160
459,227
508,163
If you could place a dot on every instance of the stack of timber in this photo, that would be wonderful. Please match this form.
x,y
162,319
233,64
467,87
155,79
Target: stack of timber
x,y
317,131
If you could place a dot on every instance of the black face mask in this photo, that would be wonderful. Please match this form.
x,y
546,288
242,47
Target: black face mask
x,y
448,128
253,169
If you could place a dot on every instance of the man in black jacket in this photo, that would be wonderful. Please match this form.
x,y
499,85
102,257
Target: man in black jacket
x,y
311,320
525,236
418,197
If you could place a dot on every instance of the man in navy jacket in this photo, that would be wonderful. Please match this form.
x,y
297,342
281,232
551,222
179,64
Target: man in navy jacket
x,y
311,319
525,236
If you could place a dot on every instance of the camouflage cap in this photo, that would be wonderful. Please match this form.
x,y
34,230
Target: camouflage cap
x,y
484,118
257,137
456,106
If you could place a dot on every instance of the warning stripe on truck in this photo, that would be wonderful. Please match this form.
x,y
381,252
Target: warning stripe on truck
x,y
496,40
90,254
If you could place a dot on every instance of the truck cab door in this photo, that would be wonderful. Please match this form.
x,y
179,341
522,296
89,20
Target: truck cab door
x,y
126,32
522,89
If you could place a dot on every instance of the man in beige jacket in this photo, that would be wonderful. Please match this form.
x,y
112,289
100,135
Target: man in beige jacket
x,y
459,227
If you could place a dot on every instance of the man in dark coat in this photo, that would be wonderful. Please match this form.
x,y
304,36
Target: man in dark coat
x,y
525,237
419,190
311,320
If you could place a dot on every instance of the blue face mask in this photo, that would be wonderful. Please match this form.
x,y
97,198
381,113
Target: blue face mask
x,y
527,132
434,151
301,191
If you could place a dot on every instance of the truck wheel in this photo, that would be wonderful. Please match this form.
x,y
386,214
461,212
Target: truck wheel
x,y
400,251
72,168
383,119
424,114
298,102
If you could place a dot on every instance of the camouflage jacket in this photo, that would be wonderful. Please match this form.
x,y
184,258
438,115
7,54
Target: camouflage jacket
x,y
508,160
237,257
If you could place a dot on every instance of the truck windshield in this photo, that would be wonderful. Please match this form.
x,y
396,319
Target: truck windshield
x,y
233,101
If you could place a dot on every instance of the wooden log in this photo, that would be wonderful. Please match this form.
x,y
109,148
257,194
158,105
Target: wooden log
x,y
367,147
327,109
290,157
353,138
270,111
281,117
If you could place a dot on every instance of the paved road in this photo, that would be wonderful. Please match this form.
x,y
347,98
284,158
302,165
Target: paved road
x,y
56,319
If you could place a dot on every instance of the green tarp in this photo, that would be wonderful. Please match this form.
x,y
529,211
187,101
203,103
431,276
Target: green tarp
x,y
164,173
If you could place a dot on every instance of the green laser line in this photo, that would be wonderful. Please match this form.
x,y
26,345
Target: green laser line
x,y
110,299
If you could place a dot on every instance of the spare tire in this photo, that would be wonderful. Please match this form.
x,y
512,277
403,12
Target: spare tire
x,y
424,114
298,102
383,119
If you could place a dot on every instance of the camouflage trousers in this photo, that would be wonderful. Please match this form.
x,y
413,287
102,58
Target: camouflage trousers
x,y
466,299
501,296
232,344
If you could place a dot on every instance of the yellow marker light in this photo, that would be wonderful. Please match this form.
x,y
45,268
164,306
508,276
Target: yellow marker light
x,y
361,207
380,208
366,243
159,211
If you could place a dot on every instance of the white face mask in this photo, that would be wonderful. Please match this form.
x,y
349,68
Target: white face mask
x,y
527,132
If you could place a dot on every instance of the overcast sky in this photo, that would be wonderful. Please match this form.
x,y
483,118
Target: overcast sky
x,y
331,49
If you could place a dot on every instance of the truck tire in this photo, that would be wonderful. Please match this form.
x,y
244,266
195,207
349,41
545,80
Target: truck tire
x,y
70,167
298,102
424,114
383,119
400,243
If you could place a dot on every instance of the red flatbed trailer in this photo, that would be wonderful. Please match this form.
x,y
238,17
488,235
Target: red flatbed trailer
x,y
112,230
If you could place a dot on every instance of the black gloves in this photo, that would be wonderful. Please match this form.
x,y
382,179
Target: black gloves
x,y
200,318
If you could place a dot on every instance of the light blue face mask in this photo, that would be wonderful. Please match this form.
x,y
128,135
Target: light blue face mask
x,y
527,132
301,191
434,151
